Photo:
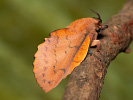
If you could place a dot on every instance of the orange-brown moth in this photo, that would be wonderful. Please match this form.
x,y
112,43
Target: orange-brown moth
x,y
64,50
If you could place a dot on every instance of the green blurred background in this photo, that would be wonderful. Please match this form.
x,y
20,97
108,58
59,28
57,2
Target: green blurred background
x,y
24,25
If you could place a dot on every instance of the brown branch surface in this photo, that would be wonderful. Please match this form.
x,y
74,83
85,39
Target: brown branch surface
x,y
86,81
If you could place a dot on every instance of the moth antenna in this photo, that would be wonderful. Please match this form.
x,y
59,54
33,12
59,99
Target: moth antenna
x,y
98,16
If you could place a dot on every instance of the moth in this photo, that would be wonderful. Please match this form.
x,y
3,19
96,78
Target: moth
x,y
64,50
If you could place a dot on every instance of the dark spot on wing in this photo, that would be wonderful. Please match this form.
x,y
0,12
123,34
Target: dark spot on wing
x,y
54,67
43,75
54,50
44,80
44,68
65,52
48,40
55,55
49,34
67,37
49,82
64,70
70,46
55,45
54,71
57,39
73,46
56,60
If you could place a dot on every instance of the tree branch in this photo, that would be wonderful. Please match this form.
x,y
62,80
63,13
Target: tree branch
x,y
86,81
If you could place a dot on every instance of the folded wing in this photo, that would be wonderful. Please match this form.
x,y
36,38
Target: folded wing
x,y
58,56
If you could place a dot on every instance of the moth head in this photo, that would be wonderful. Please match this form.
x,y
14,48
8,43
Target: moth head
x,y
99,26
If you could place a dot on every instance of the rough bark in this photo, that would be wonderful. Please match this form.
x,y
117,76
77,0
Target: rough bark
x,y
86,81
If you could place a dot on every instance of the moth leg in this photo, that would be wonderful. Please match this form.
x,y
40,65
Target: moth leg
x,y
89,52
96,43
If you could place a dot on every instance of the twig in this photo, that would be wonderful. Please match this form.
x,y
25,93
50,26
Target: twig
x,y
86,81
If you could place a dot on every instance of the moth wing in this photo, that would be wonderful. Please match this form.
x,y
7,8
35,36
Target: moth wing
x,y
80,55
54,57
